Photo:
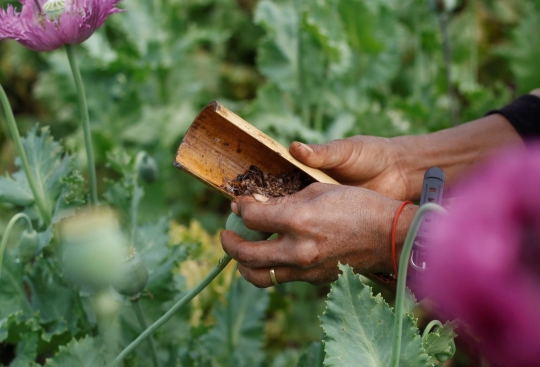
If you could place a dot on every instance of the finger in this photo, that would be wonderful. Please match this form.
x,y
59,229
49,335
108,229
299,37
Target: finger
x,y
272,216
259,253
260,277
323,156
257,197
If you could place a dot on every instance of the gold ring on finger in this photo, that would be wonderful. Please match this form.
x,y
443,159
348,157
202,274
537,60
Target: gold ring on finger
x,y
273,277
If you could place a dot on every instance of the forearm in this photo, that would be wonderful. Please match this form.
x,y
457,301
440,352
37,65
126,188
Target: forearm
x,y
455,150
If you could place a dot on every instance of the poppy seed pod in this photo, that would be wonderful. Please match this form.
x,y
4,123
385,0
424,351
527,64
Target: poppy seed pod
x,y
132,275
28,245
147,168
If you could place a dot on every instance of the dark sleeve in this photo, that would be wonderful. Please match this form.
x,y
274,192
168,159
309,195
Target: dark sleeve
x,y
523,114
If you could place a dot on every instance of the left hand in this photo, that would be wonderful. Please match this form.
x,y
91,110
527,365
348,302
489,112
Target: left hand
x,y
317,228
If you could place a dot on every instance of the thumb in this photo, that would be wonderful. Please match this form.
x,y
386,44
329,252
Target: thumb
x,y
324,156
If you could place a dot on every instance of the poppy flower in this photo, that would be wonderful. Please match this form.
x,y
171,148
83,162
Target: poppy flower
x,y
484,266
48,25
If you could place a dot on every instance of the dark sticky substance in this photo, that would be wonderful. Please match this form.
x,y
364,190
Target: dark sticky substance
x,y
256,181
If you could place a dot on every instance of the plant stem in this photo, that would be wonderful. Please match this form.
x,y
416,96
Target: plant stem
x,y
443,22
173,310
431,325
134,211
38,197
140,316
85,122
230,334
10,225
402,278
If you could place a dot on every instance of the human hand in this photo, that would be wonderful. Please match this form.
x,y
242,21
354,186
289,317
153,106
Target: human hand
x,y
317,227
365,161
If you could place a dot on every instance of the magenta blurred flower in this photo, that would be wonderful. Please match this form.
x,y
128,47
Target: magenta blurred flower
x,y
47,25
485,264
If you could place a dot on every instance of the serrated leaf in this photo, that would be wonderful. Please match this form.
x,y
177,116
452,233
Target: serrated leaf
x,y
14,325
441,340
313,356
26,352
87,352
359,326
239,327
409,302
48,164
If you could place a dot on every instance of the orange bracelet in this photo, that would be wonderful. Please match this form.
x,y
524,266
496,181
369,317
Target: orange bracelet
x,y
394,226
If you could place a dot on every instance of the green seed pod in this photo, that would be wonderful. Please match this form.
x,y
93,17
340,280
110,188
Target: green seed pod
x,y
28,245
93,248
132,275
443,357
147,167
236,224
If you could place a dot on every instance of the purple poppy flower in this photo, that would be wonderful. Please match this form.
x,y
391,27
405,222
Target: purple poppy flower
x,y
47,25
485,263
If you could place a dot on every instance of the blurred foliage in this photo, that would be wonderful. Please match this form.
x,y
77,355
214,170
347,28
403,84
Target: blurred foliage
x,y
313,70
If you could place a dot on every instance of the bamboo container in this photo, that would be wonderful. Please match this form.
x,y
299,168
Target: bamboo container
x,y
220,145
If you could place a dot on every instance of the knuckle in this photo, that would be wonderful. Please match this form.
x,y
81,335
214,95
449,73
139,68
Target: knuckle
x,y
301,219
309,256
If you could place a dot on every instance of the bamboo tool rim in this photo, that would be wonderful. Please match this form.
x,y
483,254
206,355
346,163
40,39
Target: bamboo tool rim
x,y
193,158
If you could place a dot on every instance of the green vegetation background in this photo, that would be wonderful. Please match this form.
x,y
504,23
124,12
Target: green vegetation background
x,y
308,70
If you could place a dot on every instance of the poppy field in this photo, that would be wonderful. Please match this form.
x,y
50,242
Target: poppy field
x,y
110,256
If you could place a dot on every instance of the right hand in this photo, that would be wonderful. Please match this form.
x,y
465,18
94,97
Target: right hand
x,y
363,161
317,227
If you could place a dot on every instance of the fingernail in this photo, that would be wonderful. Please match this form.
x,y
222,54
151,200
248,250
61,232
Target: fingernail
x,y
234,207
260,197
306,147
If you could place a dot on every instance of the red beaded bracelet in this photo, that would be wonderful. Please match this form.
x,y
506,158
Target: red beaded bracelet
x,y
394,226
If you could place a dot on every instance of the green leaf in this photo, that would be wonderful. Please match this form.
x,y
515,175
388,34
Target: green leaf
x,y
323,22
87,352
441,340
15,190
238,335
359,326
277,52
26,352
48,165
523,56
13,294
312,356
13,326
360,22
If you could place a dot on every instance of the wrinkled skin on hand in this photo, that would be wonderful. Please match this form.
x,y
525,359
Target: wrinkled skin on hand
x,y
364,161
317,227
